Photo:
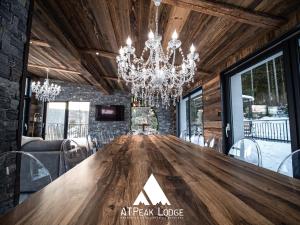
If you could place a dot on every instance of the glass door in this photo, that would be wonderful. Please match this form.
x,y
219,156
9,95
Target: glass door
x,y
78,119
196,112
191,116
55,120
259,109
184,118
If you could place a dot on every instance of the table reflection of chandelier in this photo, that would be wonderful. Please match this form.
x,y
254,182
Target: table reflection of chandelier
x,y
157,78
45,92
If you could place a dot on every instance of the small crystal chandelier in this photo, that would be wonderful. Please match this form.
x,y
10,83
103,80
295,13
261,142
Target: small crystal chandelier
x,y
45,92
157,79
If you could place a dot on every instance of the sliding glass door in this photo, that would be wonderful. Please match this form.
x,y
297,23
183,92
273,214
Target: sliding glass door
x,y
191,115
67,120
261,102
55,120
78,119
260,109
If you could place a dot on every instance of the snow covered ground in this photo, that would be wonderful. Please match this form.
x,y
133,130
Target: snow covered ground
x,y
273,153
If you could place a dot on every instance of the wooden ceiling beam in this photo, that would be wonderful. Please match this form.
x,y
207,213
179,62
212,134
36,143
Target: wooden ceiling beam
x,y
229,11
69,71
113,78
96,52
36,42
177,19
53,68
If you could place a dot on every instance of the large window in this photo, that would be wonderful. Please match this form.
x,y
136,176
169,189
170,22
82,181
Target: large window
x,y
260,97
190,115
260,109
67,120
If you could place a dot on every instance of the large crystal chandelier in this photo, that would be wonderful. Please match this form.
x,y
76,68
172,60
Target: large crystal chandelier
x,y
157,78
45,92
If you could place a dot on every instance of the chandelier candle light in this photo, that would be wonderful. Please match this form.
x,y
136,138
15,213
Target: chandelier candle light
x,y
157,79
45,92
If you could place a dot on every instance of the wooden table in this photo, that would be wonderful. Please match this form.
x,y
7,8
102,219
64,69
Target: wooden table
x,y
210,188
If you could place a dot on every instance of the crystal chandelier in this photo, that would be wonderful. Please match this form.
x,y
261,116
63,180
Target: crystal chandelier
x,y
45,92
156,78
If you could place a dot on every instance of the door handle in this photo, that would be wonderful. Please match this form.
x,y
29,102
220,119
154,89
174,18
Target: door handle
x,y
227,129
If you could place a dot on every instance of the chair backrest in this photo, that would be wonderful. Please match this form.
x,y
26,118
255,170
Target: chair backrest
x,y
212,142
32,173
247,150
201,141
195,139
90,145
184,135
72,154
290,165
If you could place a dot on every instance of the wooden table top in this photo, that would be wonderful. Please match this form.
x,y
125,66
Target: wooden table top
x,y
209,188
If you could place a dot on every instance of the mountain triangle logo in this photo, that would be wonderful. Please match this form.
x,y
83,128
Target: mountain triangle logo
x,y
151,194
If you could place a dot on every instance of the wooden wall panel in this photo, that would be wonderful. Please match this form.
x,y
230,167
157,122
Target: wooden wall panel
x,y
212,110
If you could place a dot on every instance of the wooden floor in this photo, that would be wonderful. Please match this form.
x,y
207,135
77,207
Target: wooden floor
x,y
210,188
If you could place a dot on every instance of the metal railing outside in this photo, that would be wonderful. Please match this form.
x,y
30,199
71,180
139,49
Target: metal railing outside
x,y
272,130
55,131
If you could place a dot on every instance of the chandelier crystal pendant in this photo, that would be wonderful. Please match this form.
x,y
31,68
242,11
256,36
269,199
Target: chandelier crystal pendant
x,y
157,79
45,92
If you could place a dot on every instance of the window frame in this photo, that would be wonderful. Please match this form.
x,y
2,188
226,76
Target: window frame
x,y
66,119
187,96
291,67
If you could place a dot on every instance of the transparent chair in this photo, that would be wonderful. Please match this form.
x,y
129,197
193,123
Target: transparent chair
x,y
195,139
184,135
212,143
246,150
72,154
290,166
24,173
91,145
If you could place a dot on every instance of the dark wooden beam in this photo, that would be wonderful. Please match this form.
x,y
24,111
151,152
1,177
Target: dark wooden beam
x,y
177,19
53,68
113,78
96,52
229,11
36,42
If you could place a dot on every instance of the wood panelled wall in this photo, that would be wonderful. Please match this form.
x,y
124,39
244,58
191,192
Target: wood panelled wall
x,y
212,105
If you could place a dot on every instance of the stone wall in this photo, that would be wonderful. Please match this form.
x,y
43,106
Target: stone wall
x,y
86,93
13,35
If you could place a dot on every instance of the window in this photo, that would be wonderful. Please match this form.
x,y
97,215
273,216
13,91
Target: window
x,y
55,120
260,109
67,120
260,101
78,119
191,115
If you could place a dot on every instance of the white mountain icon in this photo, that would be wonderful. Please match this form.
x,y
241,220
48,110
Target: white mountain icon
x,y
154,193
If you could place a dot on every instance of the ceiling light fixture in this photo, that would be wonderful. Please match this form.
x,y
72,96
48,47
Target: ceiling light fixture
x,y
157,79
45,92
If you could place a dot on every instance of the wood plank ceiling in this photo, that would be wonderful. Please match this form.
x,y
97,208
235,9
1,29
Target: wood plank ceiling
x,y
78,39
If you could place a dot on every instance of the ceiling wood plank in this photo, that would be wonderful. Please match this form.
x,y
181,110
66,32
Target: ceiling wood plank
x,y
50,29
36,42
97,52
53,68
114,79
230,11
177,19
